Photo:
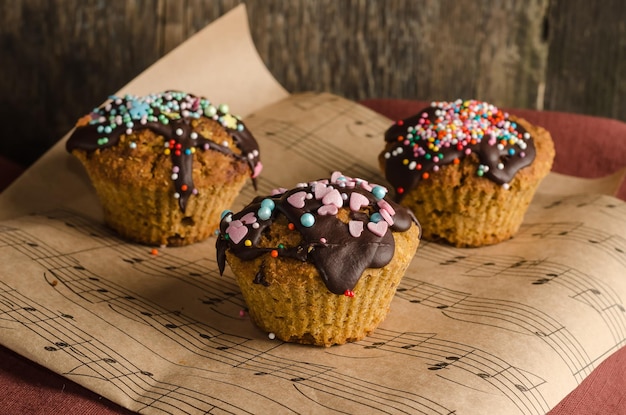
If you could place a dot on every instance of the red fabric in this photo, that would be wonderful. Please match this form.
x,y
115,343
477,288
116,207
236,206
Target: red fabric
x,y
27,388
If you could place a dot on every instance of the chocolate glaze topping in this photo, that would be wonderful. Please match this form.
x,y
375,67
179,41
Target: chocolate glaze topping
x,y
340,251
447,132
170,115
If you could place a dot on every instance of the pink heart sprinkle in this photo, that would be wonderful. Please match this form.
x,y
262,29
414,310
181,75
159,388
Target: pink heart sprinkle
x,y
297,199
236,233
278,191
355,227
249,218
336,175
327,210
384,205
357,200
385,214
333,198
365,185
235,224
378,228
321,190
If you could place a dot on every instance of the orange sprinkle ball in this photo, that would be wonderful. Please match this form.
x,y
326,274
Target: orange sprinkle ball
x,y
291,226
456,161
154,251
184,187
274,253
425,175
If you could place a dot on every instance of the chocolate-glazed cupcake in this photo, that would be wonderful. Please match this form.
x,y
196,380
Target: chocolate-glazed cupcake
x,y
466,169
319,264
164,166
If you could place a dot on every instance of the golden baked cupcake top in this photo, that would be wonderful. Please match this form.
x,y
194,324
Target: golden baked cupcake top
x,y
342,225
447,132
180,120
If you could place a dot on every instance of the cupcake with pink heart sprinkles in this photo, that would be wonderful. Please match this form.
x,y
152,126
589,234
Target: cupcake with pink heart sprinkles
x,y
313,209
319,263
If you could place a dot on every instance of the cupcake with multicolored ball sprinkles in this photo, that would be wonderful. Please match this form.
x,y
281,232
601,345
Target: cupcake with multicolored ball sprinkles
x,y
319,263
164,166
467,169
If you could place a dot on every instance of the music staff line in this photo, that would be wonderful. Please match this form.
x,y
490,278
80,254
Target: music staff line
x,y
214,288
244,356
520,387
298,141
340,109
580,286
602,203
611,244
96,360
500,314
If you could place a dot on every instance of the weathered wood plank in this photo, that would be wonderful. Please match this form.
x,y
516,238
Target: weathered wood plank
x,y
61,57
587,62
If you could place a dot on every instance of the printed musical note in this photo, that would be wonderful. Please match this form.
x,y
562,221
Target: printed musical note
x,y
598,203
613,245
478,369
538,271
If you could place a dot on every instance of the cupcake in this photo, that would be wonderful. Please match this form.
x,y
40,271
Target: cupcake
x,y
166,165
466,169
319,264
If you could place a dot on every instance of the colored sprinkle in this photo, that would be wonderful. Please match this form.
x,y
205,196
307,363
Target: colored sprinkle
x,y
264,213
271,336
307,220
154,251
379,192
448,131
268,203
349,293
126,114
274,253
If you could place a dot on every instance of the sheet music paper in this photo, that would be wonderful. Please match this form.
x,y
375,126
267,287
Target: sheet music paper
x,y
507,329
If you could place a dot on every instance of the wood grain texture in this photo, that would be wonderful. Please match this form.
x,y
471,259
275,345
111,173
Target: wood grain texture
x,y
62,57
587,61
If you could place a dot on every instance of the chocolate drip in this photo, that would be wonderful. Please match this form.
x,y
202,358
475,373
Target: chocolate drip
x,y
170,115
445,132
340,251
